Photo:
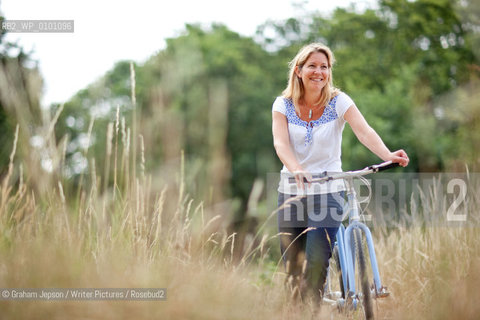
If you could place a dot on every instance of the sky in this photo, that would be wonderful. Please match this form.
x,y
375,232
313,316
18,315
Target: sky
x,y
108,31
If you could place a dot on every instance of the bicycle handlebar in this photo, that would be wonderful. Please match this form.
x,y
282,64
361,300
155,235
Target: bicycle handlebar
x,y
325,176
386,165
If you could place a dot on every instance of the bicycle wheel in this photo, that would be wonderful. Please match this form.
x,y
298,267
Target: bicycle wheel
x,y
366,298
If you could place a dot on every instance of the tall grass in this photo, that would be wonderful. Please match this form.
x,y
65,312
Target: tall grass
x,y
433,269
128,234
132,234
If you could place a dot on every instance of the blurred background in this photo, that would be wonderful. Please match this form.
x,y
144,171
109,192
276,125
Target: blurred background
x,y
412,67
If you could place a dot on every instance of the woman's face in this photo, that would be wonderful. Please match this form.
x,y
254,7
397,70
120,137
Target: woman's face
x,y
315,72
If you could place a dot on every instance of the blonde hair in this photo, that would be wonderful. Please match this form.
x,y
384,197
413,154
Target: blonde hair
x,y
295,89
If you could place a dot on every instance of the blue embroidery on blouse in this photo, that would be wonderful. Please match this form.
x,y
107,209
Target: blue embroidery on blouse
x,y
329,114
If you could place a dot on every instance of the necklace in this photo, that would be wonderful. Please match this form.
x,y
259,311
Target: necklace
x,y
310,112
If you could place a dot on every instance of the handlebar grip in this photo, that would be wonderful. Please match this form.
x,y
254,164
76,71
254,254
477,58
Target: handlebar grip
x,y
387,166
292,180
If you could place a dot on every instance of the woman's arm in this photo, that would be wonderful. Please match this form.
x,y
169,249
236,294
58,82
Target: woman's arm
x,y
281,142
369,138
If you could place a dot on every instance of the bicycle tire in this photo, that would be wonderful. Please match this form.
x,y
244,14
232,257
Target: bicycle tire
x,y
336,256
363,276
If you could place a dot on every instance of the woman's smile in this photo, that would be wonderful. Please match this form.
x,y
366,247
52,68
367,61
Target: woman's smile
x,y
315,71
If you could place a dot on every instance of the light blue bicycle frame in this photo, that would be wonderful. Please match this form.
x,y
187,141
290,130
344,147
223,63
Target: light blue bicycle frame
x,y
346,245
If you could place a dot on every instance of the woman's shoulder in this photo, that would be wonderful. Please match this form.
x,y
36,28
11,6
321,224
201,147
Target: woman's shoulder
x,y
280,104
339,94
283,99
340,97
342,102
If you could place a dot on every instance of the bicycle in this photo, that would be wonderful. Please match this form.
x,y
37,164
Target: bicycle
x,y
345,250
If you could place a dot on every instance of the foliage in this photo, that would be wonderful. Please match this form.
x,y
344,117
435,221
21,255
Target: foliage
x,y
395,61
178,93
209,92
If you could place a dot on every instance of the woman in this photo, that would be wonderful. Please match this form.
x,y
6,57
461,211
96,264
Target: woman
x,y
308,121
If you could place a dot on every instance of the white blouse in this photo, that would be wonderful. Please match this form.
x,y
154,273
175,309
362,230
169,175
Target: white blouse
x,y
316,144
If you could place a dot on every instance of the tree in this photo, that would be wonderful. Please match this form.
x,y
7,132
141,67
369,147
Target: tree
x,y
20,89
210,91
395,61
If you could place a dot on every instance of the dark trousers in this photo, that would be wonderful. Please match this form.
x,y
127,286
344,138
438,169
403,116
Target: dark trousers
x,y
306,242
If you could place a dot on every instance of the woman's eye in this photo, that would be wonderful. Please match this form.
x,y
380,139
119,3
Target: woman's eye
x,y
324,67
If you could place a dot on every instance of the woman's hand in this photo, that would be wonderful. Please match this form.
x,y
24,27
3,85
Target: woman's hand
x,y
400,157
300,177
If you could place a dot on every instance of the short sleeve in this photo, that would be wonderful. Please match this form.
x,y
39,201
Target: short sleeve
x,y
343,103
279,106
